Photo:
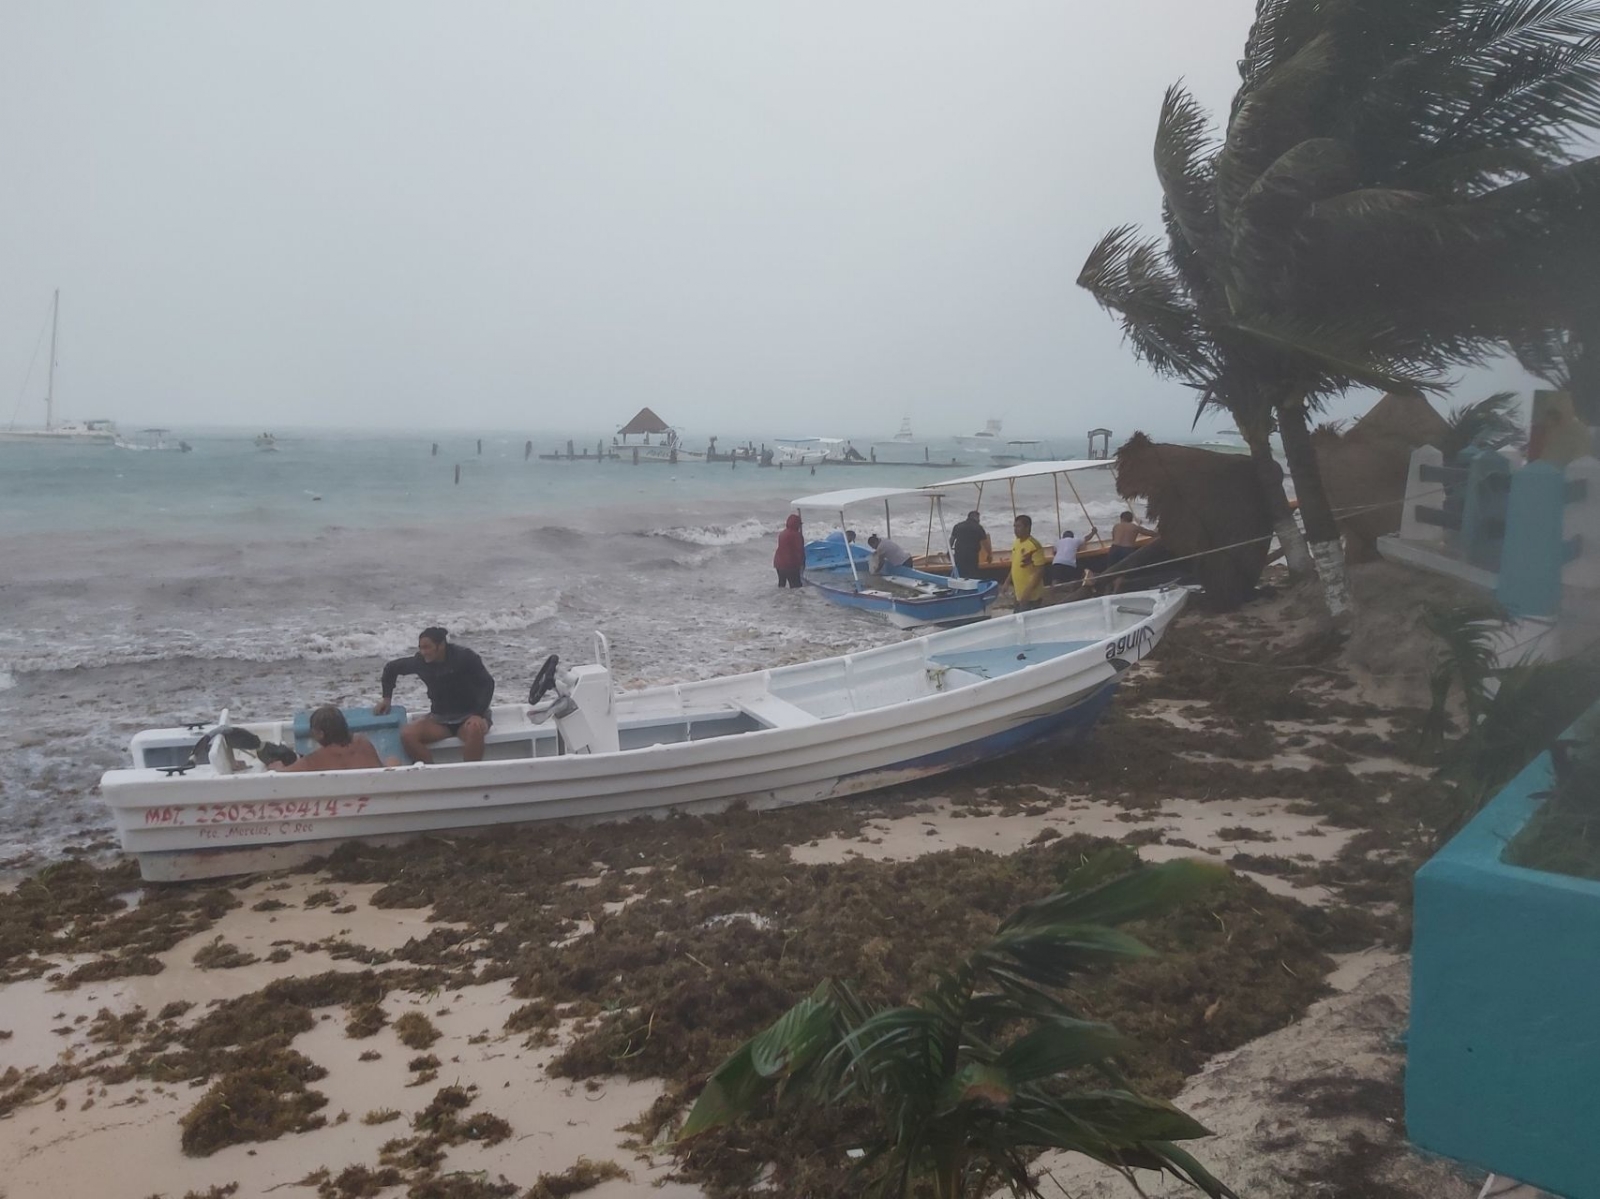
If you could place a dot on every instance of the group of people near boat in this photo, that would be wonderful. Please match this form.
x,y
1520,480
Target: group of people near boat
x,y
1031,570
460,690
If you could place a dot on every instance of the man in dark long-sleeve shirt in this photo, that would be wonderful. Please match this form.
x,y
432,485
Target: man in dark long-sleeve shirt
x,y
460,690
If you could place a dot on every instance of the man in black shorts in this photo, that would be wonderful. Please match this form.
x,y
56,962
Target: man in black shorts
x,y
460,690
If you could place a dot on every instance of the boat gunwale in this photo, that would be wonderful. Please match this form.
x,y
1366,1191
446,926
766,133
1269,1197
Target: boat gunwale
x,y
572,767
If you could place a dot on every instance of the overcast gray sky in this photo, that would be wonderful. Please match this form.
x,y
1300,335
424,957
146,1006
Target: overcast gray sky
x,y
756,217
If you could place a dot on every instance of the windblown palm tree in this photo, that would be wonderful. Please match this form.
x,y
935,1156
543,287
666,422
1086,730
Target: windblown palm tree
x,y
1392,184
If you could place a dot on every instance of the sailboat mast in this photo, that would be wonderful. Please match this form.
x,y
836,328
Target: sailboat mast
x,y
50,389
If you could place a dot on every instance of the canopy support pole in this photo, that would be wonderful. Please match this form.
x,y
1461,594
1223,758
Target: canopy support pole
x,y
949,548
849,552
1089,519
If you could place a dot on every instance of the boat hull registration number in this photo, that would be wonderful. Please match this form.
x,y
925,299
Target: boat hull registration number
x,y
185,815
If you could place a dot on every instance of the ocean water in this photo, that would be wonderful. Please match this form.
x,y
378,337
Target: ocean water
x,y
144,589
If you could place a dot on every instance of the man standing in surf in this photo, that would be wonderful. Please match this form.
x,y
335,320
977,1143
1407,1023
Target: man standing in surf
x,y
460,690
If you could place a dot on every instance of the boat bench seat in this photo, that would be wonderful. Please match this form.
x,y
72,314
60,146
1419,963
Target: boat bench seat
x,y
1005,659
383,731
775,712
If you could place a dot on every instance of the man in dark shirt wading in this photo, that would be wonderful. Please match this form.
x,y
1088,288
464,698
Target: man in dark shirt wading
x,y
969,542
460,689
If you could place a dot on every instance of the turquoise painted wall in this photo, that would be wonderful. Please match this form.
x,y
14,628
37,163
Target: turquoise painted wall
x,y
1503,1056
1534,552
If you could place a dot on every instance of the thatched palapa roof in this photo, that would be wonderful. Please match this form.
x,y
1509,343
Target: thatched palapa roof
x,y
1201,501
645,422
1407,418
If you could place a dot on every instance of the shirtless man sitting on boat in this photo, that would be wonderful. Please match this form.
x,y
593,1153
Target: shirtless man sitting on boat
x,y
460,689
1125,536
336,748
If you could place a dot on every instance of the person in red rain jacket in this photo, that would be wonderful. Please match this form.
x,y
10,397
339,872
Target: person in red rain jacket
x,y
790,560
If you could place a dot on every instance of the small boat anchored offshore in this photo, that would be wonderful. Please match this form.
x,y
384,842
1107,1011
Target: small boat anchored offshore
x,y
153,440
580,750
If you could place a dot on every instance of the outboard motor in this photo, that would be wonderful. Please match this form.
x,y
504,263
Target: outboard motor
x,y
582,707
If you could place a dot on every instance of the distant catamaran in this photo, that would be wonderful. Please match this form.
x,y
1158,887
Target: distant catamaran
x,y
88,432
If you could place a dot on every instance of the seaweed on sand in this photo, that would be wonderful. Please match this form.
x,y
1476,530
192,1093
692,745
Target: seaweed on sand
x,y
365,1020
255,1104
415,1030
443,1123
76,908
221,955
583,1176
358,1182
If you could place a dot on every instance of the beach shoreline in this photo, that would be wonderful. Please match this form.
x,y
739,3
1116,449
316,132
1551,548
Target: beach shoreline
x,y
1295,779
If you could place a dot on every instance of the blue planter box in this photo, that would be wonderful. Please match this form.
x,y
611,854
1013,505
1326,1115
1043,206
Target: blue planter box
x,y
1503,1059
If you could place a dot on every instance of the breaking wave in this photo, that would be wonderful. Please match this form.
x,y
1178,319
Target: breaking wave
x,y
308,637
716,535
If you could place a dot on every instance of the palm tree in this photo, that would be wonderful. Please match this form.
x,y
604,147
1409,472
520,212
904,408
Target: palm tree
x,y
1391,180
981,1071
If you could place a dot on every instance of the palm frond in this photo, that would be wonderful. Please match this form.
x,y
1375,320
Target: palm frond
x,y
959,1093
1184,153
1491,422
1128,276
1271,119
1338,355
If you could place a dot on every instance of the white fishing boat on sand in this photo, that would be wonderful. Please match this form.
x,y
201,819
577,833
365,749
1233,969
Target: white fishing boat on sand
x,y
791,735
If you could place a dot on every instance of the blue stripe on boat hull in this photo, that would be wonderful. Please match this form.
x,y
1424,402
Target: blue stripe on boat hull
x,y
1071,723
838,586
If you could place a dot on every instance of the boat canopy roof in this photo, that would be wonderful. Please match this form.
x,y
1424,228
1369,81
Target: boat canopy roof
x,y
1026,470
833,501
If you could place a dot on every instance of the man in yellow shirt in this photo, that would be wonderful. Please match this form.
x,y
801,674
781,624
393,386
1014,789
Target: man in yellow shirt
x,y
1027,565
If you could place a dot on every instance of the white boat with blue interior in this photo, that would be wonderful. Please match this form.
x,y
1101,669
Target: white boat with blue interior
x,y
580,750
909,598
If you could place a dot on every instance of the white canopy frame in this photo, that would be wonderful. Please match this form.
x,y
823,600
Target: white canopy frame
x,y
837,501
1057,469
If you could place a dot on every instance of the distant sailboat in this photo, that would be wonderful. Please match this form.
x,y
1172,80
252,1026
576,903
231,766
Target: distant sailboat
x,y
87,432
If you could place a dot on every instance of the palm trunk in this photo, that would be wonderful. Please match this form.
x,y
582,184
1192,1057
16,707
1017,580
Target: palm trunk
x,y
1270,475
1322,529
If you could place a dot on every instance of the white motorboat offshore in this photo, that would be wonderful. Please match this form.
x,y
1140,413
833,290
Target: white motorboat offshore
x,y
71,432
266,443
807,451
795,734
153,440
984,441
1020,450
1227,441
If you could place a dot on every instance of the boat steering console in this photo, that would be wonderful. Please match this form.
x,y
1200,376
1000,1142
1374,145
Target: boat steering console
x,y
579,701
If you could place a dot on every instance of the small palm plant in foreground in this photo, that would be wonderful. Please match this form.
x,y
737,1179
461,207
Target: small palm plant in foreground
x,y
991,1064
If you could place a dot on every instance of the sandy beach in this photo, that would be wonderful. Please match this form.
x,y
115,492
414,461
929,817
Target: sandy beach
x,y
472,1017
